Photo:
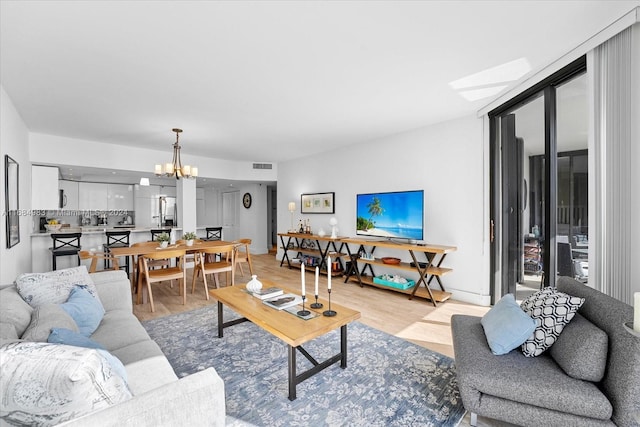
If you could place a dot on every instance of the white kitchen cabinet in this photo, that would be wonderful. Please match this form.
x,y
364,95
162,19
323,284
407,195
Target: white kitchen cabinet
x,y
120,197
93,196
69,195
44,188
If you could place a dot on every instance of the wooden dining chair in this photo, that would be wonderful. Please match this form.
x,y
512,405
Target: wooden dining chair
x,y
163,274
243,254
205,266
95,256
138,270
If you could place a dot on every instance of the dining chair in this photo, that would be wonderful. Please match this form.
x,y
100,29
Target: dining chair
x,y
95,256
243,254
137,266
204,266
65,244
163,274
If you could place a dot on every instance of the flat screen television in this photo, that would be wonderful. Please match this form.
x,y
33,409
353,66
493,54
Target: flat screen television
x,y
392,215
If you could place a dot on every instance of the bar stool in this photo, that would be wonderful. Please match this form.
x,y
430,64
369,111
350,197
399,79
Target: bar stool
x,y
65,244
117,239
214,233
156,232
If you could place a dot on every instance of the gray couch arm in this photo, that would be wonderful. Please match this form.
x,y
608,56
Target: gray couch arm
x,y
195,400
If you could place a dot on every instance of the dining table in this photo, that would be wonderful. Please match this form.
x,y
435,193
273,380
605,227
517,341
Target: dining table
x,y
136,253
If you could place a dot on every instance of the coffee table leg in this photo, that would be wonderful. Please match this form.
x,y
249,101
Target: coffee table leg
x,y
292,372
343,346
220,320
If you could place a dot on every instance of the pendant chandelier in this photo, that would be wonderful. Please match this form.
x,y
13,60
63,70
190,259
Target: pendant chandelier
x,y
175,168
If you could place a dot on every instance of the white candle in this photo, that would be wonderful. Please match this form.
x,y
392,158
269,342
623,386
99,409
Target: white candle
x,y
636,312
328,272
317,274
302,278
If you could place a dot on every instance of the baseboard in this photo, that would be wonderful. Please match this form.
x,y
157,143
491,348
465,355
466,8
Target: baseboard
x,y
471,298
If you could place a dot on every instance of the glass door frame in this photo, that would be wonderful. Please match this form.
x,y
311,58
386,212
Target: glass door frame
x,y
548,89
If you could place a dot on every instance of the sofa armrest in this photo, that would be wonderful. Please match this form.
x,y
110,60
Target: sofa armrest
x,y
195,400
114,290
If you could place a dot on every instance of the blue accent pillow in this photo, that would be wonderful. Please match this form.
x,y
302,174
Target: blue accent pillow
x,y
506,325
86,310
69,337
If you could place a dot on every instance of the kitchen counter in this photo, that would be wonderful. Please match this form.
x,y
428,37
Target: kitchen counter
x,y
94,229
93,238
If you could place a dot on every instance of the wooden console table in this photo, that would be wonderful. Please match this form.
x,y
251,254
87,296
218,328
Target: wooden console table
x,y
295,244
434,255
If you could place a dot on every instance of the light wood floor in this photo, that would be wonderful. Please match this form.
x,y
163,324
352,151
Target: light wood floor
x,y
414,320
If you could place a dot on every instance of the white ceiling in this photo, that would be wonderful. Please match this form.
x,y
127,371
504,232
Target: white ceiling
x,y
268,81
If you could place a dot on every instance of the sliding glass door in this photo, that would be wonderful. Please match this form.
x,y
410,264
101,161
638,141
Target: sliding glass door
x,y
539,185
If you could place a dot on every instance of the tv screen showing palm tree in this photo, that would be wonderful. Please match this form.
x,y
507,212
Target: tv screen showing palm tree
x,y
397,214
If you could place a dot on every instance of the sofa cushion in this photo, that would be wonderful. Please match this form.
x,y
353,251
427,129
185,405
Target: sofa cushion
x,y
85,310
119,329
551,310
53,287
506,325
46,317
13,309
8,331
581,350
47,384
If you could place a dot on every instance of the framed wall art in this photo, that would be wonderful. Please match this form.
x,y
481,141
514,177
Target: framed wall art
x,y
318,203
11,201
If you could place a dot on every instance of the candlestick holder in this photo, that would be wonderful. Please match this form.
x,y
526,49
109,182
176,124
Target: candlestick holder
x,y
316,304
303,312
329,313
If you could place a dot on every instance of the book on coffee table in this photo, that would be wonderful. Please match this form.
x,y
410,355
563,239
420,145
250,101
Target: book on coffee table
x,y
267,293
283,301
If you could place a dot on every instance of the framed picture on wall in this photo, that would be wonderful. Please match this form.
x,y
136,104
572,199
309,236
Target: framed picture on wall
x,y
11,201
318,203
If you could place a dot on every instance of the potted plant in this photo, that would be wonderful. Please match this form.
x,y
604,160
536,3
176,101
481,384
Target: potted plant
x,y
163,239
189,237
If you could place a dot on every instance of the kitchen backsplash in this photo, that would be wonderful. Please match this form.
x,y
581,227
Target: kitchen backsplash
x,y
87,218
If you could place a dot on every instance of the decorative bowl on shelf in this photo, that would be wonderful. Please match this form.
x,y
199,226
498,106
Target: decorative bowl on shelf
x,y
53,227
390,260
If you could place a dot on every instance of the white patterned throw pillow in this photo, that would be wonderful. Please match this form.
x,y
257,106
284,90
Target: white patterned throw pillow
x,y
46,384
551,310
53,287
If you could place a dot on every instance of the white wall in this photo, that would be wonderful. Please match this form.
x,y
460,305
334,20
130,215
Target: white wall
x,y
14,141
253,221
446,160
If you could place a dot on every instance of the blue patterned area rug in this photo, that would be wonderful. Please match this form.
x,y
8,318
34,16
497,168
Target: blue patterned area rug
x,y
388,381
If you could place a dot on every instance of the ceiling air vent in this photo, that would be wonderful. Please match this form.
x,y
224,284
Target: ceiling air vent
x,y
262,166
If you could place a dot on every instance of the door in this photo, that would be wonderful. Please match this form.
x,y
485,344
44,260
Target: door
x,y
230,202
511,209
539,186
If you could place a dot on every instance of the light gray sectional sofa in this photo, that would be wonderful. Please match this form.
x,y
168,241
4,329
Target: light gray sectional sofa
x,y
158,396
536,391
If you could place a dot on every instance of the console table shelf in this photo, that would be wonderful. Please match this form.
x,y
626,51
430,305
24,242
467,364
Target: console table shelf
x,y
427,271
294,244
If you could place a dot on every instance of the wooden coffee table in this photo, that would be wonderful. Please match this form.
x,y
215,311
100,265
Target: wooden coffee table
x,y
291,329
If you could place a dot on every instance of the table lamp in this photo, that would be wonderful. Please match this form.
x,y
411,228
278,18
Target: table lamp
x,y
292,208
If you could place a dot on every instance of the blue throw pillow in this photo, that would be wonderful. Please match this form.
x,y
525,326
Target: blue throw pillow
x,y
86,310
506,325
69,337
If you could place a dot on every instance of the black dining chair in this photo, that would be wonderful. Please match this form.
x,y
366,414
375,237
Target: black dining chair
x,y
117,239
214,233
65,244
